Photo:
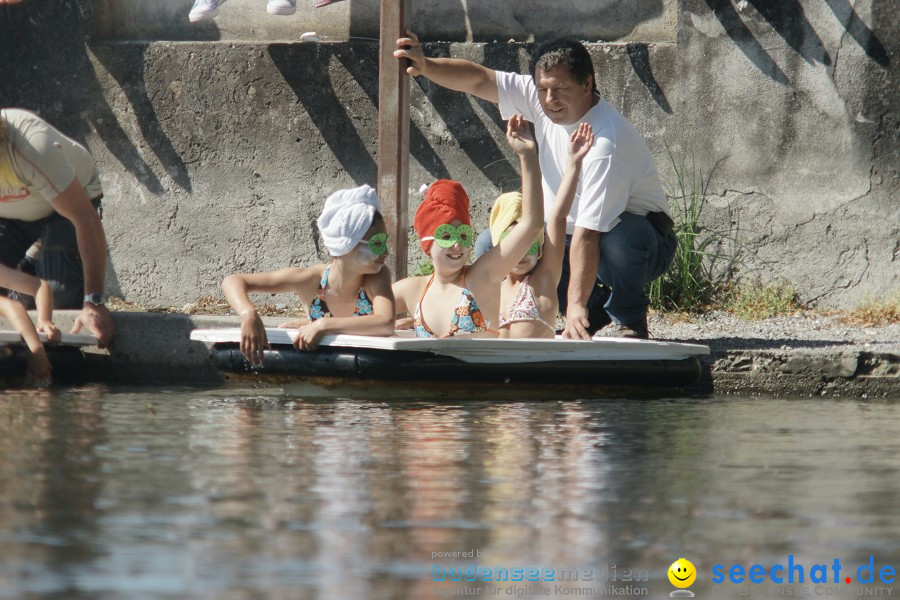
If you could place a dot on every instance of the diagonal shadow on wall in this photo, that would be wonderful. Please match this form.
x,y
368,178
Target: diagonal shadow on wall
x,y
368,80
52,75
306,69
460,118
639,55
47,68
788,19
119,61
466,126
859,31
743,38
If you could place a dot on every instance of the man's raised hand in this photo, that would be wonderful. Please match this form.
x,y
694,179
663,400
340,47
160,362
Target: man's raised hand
x,y
410,49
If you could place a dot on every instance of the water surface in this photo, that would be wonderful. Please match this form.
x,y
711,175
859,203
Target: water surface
x,y
111,493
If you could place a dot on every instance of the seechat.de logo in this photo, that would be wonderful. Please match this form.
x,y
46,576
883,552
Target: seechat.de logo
x,y
794,572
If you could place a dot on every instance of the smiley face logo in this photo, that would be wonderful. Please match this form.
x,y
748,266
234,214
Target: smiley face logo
x,y
682,573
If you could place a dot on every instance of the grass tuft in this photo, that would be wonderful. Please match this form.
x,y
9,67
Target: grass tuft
x,y
756,301
875,312
696,279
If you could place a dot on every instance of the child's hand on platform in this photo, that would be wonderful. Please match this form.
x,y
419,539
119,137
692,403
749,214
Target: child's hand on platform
x,y
54,335
309,335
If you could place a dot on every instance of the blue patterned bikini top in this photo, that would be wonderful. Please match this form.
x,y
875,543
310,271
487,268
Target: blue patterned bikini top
x,y
319,308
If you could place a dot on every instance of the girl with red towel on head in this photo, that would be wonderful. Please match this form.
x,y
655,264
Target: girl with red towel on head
x,y
460,299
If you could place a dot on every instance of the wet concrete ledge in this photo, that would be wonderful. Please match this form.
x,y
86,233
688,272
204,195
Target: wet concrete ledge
x,y
154,348
852,372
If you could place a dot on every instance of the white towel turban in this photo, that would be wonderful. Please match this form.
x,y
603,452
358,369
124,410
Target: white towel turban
x,y
346,217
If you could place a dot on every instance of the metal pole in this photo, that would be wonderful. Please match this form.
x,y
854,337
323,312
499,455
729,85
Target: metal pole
x,y
393,131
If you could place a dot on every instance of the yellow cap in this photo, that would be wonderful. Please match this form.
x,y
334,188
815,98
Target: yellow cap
x,y
507,210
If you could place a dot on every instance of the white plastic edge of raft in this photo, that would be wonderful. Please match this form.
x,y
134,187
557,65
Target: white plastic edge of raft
x,y
68,339
485,350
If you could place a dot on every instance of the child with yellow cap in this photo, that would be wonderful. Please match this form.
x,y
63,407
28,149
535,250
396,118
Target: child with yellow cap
x,y
528,296
461,299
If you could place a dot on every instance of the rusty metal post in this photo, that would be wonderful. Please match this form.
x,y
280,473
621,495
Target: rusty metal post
x,y
393,131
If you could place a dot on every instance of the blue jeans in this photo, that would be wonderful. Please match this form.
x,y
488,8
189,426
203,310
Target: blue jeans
x,y
632,255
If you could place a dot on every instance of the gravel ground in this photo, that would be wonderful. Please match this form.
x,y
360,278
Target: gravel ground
x,y
717,329
723,331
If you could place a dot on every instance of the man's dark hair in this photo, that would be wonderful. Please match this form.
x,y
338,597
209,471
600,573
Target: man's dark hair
x,y
566,52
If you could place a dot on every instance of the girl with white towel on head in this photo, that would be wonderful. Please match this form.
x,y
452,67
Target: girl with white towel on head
x,y
351,294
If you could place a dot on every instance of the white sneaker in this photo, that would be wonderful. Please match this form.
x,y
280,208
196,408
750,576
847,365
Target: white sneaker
x,y
204,10
281,7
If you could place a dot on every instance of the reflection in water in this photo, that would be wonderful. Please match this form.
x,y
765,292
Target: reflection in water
x,y
50,510
158,494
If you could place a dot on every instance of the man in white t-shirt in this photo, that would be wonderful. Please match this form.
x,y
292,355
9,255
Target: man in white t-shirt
x,y
50,193
619,229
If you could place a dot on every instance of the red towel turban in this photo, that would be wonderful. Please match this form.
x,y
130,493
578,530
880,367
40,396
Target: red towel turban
x,y
444,201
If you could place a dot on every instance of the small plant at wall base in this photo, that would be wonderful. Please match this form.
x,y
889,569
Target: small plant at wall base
x,y
695,280
875,312
755,300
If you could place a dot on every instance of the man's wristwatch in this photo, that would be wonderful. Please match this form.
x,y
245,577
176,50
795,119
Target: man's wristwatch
x,y
94,298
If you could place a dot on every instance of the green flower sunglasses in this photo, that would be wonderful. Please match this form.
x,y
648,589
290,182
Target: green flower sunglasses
x,y
535,246
446,235
377,244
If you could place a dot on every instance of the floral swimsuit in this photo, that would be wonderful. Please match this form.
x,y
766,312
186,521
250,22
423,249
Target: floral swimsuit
x,y
319,309
523,307
467,318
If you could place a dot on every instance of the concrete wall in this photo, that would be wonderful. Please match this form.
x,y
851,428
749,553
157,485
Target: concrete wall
x,y
798,105
217,153
453,20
